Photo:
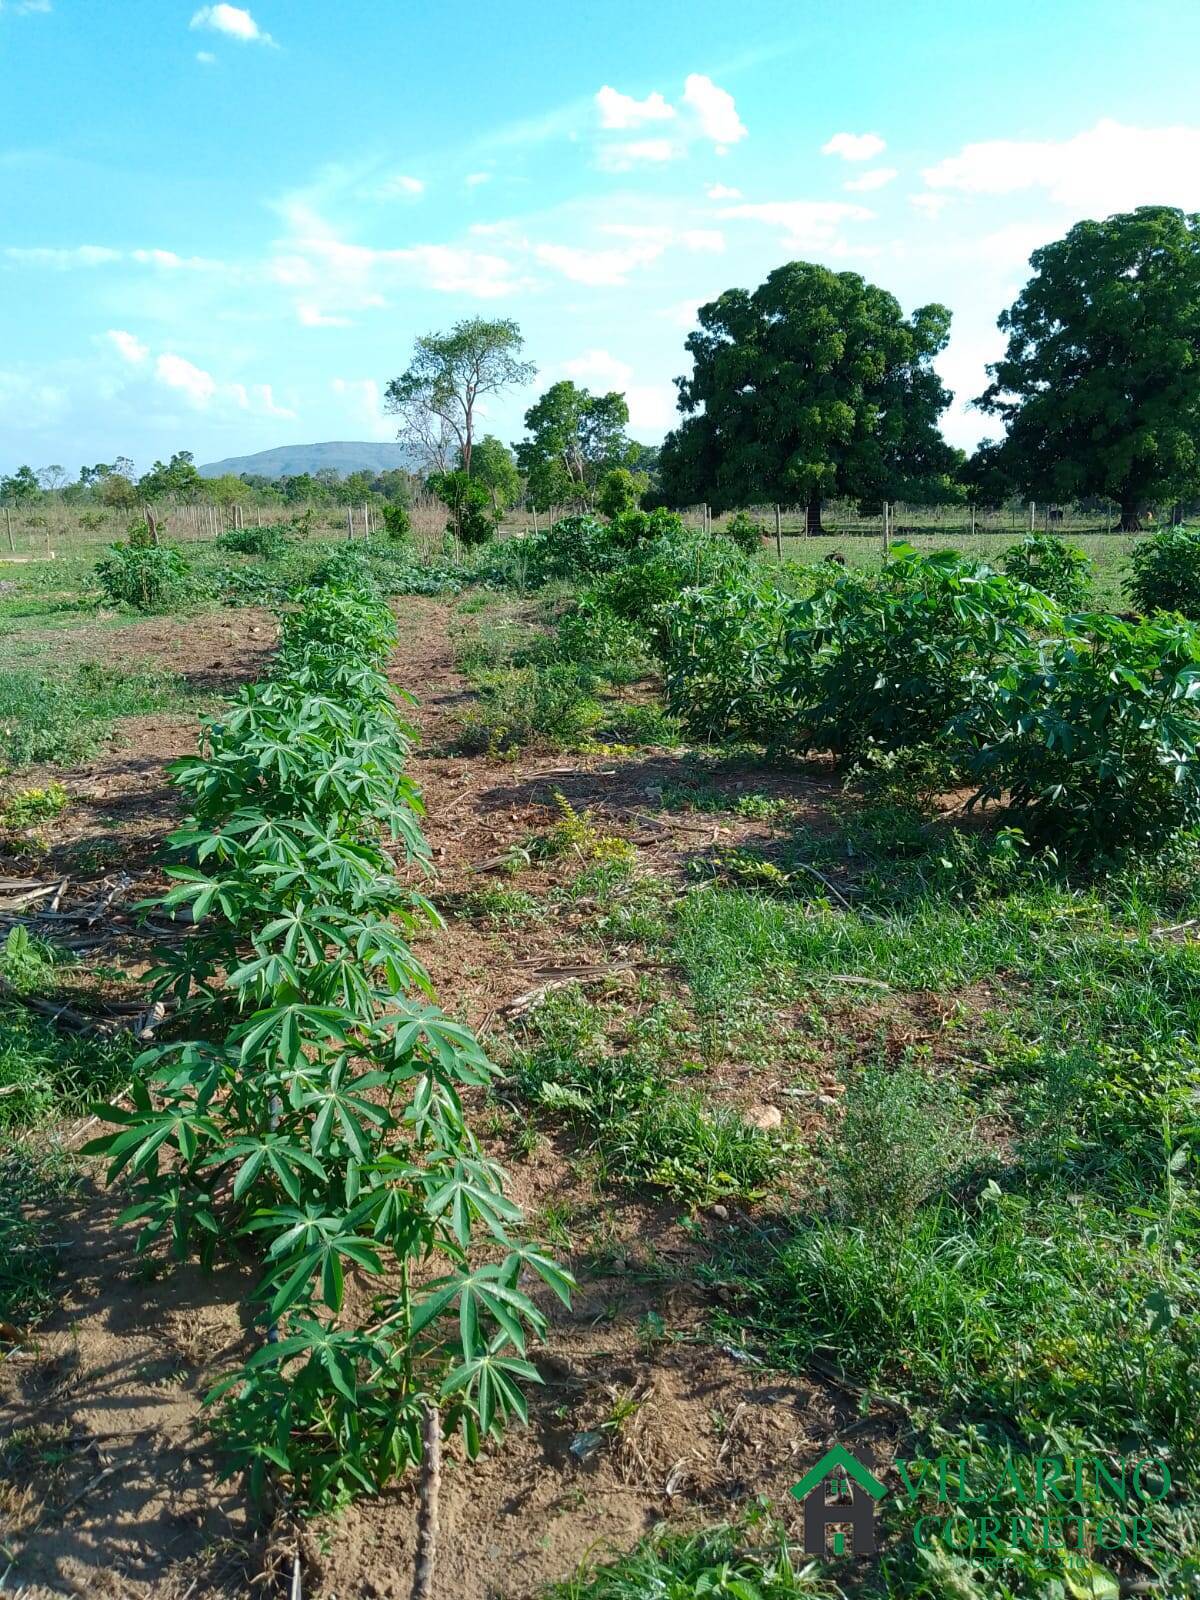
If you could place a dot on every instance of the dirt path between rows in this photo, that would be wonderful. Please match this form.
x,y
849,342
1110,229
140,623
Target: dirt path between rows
x,y
121,1495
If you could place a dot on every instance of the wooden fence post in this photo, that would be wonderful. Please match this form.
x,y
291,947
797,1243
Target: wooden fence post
x,y
778,536
349,522
886,541
8,519
1032,514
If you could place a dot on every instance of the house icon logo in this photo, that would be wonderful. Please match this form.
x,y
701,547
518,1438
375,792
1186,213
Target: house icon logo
x,y
851,1475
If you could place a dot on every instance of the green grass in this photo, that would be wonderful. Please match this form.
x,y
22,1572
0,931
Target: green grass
x,y
46,1073
31,1182
631,1111
718,1563
63,719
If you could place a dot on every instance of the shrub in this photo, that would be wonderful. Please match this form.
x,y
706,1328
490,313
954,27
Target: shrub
x,y
265,540
618,492
744,532
473,519
147,577
1166,572
1053,566
657,572
1095,738
397,524
723,651
573,547
890,660
553,705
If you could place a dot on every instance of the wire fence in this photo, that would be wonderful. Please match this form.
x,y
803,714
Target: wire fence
x,y
47,528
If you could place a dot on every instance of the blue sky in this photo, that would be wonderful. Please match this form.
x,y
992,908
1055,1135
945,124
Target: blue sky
x,y
221,227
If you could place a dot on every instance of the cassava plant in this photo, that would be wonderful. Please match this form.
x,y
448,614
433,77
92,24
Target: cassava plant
x,y
311,1114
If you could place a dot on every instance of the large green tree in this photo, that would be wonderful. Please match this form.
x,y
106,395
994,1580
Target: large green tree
x,y
20,485
1100,383
813,385
574,438
437,394
177,477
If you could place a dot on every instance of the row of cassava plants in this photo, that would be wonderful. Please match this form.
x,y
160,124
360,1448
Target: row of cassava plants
x,y
1087,724
308,1115
1084,723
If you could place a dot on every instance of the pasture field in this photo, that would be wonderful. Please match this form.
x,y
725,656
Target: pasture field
x,y
853,1113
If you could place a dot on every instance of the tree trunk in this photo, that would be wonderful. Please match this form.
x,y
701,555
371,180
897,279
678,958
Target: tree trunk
x,y
1131,517
812,514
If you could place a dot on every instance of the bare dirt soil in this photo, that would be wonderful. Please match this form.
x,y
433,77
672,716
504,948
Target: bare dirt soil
x,y
111,1486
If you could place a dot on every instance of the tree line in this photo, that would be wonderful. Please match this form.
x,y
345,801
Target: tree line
x,y
813,386
816,385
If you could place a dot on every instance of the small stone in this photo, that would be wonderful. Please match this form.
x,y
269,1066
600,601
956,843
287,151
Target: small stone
x,y
721,1213
765,1117
585,1445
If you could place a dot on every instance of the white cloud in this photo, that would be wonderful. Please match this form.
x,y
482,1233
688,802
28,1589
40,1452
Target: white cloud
x,y
623,111
1110,167
206,58
636,153
311,316
266,401
877,178
197,385
63,260
722,191
401,184
714,108
21,7
806,224
651,405
456,271
931,205
170,262
364,404
854,146
703,241
233,21
128,346
474,179
683,313
598,268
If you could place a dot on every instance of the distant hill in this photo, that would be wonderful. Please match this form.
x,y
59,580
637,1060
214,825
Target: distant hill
x,y
288,460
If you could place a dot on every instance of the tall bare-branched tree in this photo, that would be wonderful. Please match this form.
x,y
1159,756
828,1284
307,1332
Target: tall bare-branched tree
x,y
436,397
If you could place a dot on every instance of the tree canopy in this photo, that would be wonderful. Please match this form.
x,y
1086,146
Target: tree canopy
x,y
493,466
177,477
1100,384
436,396
574,437
813,385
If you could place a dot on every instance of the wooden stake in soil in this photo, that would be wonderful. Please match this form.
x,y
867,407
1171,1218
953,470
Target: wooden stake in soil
x,y
431,1483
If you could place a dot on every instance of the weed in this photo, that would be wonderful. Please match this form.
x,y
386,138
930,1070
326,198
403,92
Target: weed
x,y
901,1139
25,808
724,1560
638,1123
62,720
